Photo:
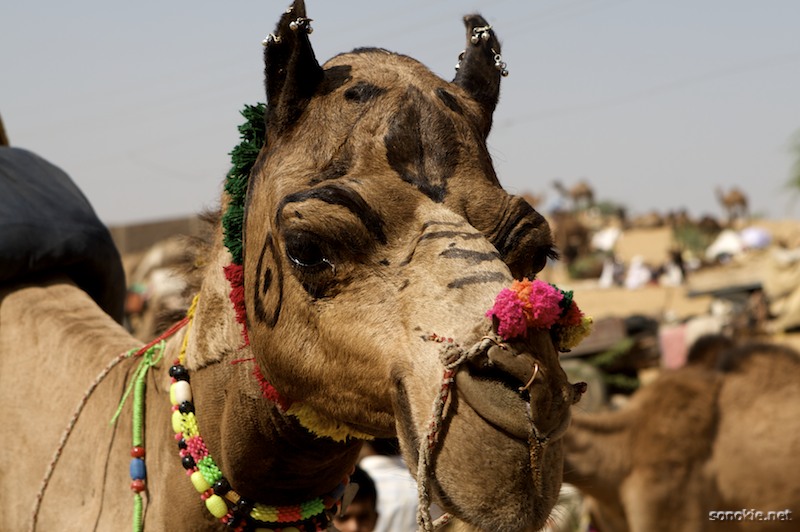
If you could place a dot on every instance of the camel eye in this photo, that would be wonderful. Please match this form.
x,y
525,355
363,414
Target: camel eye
x,y
304,252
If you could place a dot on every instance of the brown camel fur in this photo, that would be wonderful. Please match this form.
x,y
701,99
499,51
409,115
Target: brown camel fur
x,y
374,220
650,220
696,441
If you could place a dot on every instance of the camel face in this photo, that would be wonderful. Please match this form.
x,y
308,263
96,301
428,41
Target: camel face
x,y
375,228
359,255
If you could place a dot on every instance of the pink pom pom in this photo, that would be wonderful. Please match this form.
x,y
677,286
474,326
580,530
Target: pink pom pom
x,y
545,307
508,310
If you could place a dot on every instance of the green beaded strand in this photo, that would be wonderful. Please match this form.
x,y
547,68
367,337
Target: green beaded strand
x,y
138,386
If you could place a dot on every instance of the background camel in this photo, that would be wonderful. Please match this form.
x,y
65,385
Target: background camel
x,y
734,203
343,294
721,434
158,288
580,196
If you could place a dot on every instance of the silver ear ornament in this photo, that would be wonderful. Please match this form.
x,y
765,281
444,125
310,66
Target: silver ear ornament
x,y
481,33
271,38
301,22
499,64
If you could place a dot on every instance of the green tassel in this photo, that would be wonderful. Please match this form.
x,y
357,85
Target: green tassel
x,y
233,229
243,156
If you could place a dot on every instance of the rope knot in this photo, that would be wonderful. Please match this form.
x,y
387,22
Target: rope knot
x,y
452,356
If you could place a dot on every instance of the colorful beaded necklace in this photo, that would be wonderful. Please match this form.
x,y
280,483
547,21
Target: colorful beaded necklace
x,y
220,499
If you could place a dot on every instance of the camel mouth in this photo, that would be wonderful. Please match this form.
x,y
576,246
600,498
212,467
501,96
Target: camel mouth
x,y
502,386
494,395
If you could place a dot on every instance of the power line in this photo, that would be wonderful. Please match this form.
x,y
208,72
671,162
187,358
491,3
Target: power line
x,y
662,88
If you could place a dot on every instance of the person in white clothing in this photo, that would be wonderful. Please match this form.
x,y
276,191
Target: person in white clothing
x,y
397,489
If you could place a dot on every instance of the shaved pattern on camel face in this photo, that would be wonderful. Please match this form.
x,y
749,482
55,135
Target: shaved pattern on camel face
x,y
383,124
269,286
422,146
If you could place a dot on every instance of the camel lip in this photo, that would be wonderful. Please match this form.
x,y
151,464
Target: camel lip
x,y
495,403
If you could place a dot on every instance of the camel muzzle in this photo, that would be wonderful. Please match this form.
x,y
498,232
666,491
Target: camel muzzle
x,y
512,389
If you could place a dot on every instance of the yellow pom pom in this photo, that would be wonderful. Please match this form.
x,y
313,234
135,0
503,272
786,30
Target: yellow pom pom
x,y
262,512
216,505
569,337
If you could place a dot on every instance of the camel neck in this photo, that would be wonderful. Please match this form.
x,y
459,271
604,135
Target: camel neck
x,y
265,454
244,432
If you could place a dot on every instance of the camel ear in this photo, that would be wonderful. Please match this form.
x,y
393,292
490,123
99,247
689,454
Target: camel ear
x,y
481,66
291,70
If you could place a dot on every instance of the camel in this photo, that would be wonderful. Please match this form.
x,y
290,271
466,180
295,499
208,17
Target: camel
x,y
571,236
734,202
158,293
343,296
580,196
721,434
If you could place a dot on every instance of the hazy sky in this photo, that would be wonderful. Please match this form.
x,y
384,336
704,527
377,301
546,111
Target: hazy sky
x,y
655,103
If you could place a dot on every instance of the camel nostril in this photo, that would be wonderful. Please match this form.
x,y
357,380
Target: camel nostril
x,y
579,388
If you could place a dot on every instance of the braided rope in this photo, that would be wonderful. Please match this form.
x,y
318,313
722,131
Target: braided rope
x,y
79,409
453,356
68,430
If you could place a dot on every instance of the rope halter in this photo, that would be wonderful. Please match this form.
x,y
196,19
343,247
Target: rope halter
x,y
523,306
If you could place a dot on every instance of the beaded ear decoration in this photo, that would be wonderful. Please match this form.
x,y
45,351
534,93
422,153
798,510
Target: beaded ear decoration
x,y
537,304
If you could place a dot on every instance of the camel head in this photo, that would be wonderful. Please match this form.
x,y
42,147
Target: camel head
x,y
375,232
